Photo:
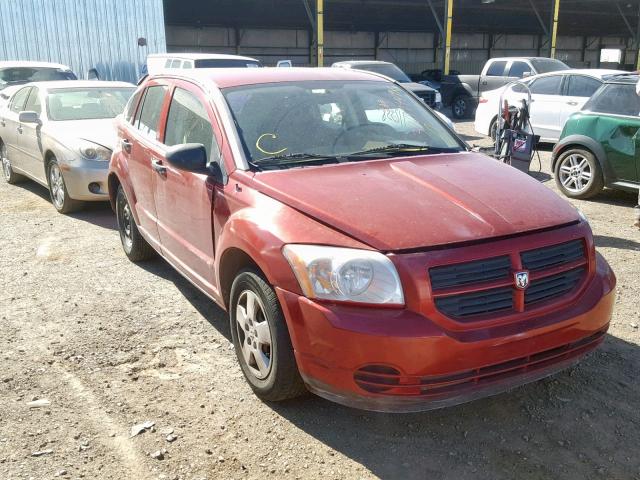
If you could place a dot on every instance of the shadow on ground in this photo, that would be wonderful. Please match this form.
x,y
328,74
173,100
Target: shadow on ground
x,y
581,423
603,241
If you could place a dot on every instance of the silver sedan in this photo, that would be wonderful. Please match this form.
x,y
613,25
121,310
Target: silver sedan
x,y
61,135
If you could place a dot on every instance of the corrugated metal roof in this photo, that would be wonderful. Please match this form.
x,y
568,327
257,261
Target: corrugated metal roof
x,y
83,34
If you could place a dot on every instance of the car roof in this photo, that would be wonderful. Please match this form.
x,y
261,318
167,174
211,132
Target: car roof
x,y
234,77
201,56
600,73
523,58
66,84
18,64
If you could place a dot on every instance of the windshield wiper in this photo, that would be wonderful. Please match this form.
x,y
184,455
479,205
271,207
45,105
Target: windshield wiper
x,y
403,148
293,159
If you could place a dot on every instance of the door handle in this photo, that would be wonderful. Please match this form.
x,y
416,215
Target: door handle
x,y
573,104
3,123
19,128
158,167
484,83
126,145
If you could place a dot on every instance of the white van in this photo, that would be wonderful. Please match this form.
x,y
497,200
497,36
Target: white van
x,y
169,61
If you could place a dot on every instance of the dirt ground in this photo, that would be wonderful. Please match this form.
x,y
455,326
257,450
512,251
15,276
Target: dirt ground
x,y
111,344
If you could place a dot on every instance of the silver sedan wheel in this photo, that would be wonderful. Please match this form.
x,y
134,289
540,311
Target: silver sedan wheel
x,y
6,164
56,183
575,173
254,334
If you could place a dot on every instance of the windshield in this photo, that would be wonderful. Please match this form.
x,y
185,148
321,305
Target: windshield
x,y
226,63
87,103
547,65
17,75
386,69
332,119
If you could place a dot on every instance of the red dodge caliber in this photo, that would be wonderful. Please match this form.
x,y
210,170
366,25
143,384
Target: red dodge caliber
x,y
362,251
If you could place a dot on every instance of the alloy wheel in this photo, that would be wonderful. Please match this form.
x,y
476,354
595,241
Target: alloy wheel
x,y
575,173
460,107
125,225
56,184
254,334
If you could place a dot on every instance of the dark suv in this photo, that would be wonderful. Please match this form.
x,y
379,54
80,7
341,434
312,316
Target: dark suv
x,y
599,145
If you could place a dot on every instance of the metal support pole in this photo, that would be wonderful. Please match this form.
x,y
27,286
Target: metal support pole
x,y
447,41
554,29
320,31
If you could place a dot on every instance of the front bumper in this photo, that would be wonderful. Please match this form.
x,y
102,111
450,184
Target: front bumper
x,y
400,361
79,174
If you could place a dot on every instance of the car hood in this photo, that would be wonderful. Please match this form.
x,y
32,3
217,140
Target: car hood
x,y
101,131
417,202
418,87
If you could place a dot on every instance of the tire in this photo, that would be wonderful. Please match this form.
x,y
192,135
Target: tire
x,y
578,174
461,107
9,175
493,128
60,198
261,339
134,245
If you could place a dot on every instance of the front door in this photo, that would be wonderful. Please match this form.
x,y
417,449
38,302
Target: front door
x,y
141,145
577,90
185,200
31,141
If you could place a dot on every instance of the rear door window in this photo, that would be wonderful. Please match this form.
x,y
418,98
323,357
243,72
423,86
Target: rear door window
x,y
546,85
149,114
617,99
19,99
496,69
581,86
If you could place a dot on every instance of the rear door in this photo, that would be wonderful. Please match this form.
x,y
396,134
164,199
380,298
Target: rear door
x,y
10,129
30,141
185,200
577,90
546,105
142,147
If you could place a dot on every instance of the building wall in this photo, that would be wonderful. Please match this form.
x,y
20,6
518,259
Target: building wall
x,y
83,34
413,51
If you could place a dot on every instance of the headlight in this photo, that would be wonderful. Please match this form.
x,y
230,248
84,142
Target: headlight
x,y
345,274
582,216
93,151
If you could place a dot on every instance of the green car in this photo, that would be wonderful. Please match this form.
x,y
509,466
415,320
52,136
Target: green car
x,y
600,145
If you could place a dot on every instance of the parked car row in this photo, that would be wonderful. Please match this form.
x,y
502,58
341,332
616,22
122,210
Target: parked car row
x,y
326,209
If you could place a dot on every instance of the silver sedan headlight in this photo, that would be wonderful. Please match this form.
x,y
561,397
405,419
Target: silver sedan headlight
x,y
93,151
345,274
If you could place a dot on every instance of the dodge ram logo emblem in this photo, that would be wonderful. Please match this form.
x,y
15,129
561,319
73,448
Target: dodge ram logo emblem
x,y
522,280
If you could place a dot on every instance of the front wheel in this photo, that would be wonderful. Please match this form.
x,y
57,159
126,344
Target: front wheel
x,y
58,190
461,106
578,174
261,339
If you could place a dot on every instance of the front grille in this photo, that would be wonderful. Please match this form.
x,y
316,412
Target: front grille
x,y
548,257
384,380
553,286
478,303
470,272
470,291
428,97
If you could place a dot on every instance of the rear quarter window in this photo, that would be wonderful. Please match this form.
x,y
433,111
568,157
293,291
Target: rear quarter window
x,y
616,99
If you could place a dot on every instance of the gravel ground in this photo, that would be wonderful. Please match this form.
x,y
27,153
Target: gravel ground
x,y
111,344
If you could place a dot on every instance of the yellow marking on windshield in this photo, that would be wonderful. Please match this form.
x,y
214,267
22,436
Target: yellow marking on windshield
x,y
273,136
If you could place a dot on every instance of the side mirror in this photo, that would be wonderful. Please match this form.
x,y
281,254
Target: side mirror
x,y
284,64
28,117
191,157
526,74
